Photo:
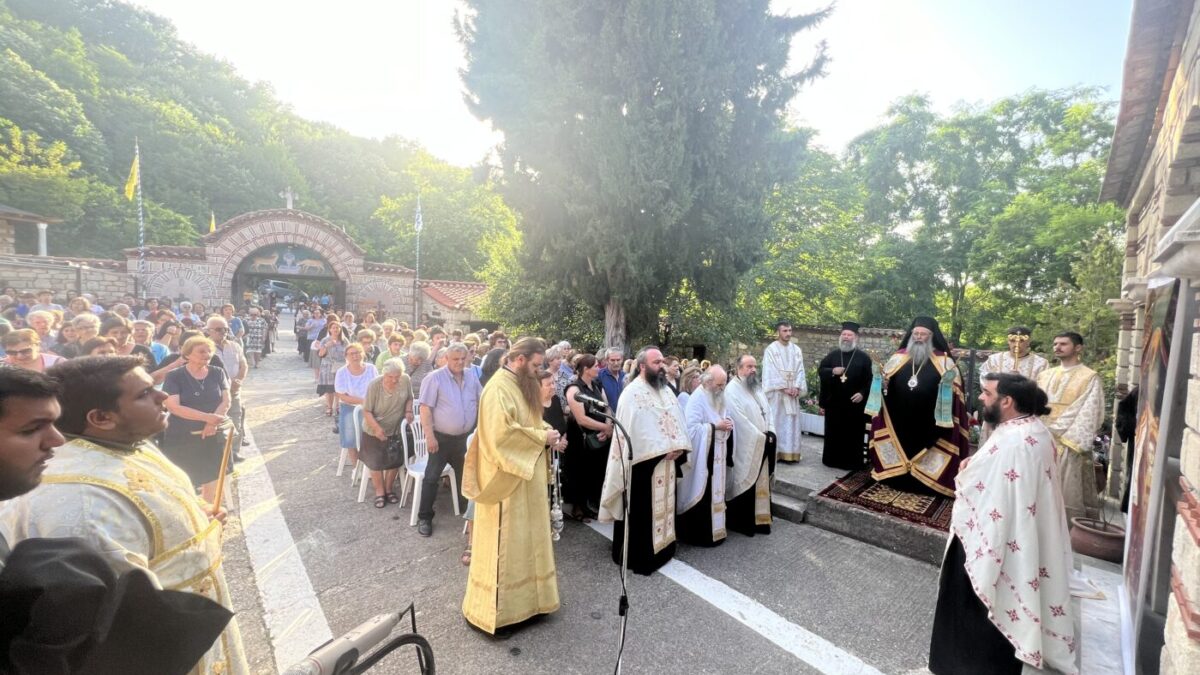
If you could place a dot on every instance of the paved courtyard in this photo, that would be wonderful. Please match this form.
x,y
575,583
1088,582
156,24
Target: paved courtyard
x,y
306,561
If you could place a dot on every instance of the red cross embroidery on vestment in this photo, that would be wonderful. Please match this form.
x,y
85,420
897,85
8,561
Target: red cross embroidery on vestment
x,y
1032,508
995,515
1043,573
1012,615
1012,475
1035,584
1031,440
971,524
1057,610
979,486
1013,546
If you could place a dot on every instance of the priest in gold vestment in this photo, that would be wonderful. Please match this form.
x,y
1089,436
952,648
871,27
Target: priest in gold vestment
x,y
512,576
1077,406
110,487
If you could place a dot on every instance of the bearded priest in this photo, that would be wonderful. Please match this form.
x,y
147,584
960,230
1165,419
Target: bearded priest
x,y
784,383
845,384
650,413
512,576
919,431
748,482
700,498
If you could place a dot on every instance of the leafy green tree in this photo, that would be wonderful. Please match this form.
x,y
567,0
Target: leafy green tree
x,y
648,171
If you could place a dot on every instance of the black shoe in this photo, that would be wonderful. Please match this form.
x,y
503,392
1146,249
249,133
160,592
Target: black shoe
x,y
238,458
245,442
425,527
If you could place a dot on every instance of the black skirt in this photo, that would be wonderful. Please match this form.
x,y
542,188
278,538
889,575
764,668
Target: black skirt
x,y
964,639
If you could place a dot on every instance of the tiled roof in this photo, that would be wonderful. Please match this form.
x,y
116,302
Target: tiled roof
x,y
188,252
385,268
9,213
453,294
1150,60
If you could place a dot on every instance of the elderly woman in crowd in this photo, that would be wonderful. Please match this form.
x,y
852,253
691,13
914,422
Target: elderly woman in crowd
x,y
419,364
87,326
350,386
588,436
256,336
23,349
99,346
78,305
369,322
366,337
143,334
387,404
332,353
198,400
42,322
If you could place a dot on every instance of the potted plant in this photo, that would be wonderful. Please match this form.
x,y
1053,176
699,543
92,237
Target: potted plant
x,y
812,418
1098,536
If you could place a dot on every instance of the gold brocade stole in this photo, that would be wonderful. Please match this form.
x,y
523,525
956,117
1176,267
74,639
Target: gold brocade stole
x,y
662,495
185,550
1063,387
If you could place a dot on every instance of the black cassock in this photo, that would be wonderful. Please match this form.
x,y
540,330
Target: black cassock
x,y
642,558
845,422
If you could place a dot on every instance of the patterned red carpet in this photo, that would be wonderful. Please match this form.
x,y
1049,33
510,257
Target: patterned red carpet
x,y
859,489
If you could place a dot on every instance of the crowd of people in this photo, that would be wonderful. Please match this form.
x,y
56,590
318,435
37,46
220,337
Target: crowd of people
x,y
671,450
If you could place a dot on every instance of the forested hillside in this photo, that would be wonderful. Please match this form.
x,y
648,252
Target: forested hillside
x,y
79,79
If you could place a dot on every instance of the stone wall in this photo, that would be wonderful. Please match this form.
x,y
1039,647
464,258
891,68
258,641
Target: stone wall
x,y
33,273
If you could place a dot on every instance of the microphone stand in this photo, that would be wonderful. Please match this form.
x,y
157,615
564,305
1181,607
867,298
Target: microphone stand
x,y
623,604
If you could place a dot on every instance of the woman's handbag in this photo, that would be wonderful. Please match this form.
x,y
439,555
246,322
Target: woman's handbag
x,y
592,440
394,450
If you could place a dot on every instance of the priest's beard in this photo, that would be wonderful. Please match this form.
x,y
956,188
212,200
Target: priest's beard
x,y
752,381
920,352
991,413
655,378
847,346
716,399
531,387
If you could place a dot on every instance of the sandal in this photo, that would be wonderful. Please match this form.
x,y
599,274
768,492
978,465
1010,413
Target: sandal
x,y
466,557
579,517
392,498
381,501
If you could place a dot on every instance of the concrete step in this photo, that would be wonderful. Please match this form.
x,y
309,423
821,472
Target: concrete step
x,y
790,489
787,508
893,534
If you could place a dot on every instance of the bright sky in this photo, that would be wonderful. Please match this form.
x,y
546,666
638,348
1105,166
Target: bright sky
x,y
379,68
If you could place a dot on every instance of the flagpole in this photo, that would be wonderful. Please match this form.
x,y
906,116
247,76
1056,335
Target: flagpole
x,y
137,157
418,225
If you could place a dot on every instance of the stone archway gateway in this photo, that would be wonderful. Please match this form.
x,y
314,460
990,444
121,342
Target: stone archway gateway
x,y
277,242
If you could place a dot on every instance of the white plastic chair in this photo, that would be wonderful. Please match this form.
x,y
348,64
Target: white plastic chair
x,y
415,459
357,416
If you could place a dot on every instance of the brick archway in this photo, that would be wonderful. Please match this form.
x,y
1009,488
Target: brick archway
x,y
239,237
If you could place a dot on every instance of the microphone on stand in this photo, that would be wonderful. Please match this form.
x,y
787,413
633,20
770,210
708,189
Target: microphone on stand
x,y
584,398
340,654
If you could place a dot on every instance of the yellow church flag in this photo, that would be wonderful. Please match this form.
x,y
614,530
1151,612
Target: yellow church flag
x,y
212,221
131,184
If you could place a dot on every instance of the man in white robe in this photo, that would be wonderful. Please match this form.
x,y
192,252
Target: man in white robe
x,y
1004,600
1018,359
748,481
110,487
651,415
700,497
784,382
1076,412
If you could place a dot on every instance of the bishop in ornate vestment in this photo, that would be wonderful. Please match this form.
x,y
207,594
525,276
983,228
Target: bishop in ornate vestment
x,y
512,576
784,382
1076,412
651,415
1004,600
748,481
112,488
700,499
919,431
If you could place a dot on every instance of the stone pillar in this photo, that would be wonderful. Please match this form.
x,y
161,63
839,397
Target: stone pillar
x,y
42,239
